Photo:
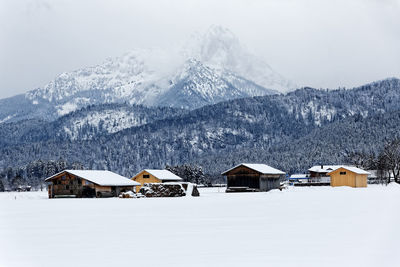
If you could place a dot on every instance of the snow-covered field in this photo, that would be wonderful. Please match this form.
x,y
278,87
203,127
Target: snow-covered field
x,y
320,226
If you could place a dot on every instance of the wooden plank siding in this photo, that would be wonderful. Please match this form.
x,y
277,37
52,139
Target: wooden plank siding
x,y
268,182
338,178
140,179
243,176
68,184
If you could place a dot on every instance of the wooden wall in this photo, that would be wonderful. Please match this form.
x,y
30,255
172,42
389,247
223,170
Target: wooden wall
x,y
269,182
139,178
349,179
361,180
246,177
243,177
66,184
242,180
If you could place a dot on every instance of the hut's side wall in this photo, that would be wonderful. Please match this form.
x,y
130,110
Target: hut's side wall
x,y
139,178
361,180
268,182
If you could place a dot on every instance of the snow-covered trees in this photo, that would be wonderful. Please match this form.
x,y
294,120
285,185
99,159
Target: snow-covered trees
x,y
291,132
189,173
34,173
387,162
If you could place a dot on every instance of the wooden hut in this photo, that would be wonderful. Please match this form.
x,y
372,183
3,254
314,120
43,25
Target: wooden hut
x,y
148,176
88,183
349,176
247,177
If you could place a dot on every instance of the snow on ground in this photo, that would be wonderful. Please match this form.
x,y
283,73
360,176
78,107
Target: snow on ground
x,y
318,226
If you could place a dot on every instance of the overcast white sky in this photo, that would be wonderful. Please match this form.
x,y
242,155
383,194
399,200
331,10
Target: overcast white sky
x,y
319,43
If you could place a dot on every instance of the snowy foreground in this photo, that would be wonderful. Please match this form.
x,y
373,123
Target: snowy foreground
x,y
320,226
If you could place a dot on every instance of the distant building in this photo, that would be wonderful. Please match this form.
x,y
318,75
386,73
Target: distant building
x,y
23,188
349,176
147,176
299,178
319,173
247,177
88,183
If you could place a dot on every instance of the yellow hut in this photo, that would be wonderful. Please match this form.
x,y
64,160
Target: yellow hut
x,y
155,176
349,176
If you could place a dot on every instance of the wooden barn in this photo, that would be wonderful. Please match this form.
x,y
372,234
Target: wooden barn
x,y
349,176
155,176
247,177
88,183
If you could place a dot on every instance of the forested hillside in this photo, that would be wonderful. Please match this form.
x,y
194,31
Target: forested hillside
x,y
292,132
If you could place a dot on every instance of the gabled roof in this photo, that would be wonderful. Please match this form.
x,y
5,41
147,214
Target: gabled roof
x,y
261,168
103,178
324,169
352,169
164,175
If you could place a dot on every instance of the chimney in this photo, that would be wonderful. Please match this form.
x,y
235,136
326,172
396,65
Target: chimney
x,y
322,166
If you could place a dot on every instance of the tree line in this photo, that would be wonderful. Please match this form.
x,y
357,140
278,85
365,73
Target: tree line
x,y
386,162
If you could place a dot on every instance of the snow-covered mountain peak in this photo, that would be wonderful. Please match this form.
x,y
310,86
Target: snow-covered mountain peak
x,y
222,50
142,74
213,67
218,47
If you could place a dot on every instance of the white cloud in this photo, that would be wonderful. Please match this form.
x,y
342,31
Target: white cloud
x,y
313,42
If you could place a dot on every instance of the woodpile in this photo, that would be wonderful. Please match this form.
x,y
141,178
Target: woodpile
x,y
163,190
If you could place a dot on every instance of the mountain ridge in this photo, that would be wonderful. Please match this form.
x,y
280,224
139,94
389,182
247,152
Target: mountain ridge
x,y
272,127
217,68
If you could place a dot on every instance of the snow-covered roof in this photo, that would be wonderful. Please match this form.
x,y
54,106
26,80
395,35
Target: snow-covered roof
x,y
164,175
103,178
352,169
324,169
261,168
299,176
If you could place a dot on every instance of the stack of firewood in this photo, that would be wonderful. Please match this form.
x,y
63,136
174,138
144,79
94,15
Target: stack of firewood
x,y
163,190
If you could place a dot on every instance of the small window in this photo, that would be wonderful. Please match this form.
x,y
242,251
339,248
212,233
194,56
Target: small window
x,y
342,173
146,176
63,177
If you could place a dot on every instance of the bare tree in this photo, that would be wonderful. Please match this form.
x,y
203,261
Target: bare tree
x,y
383,172
362,159
391,158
